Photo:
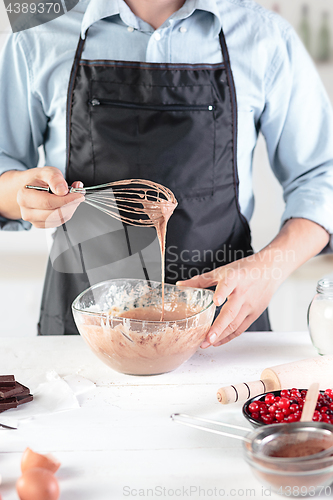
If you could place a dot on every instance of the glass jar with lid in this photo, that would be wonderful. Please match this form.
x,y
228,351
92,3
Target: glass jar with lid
x,y
320,317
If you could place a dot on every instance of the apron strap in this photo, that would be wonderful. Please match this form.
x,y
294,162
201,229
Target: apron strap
x,y
77,58
233,97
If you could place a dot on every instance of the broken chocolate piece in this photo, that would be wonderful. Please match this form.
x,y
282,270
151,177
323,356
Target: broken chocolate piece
x,y
14,402
8,403
7,380
24,399
17,389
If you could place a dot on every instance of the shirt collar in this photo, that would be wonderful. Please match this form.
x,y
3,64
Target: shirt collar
x,y
100,9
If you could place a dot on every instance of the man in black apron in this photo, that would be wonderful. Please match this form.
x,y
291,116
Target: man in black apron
x,y
175,124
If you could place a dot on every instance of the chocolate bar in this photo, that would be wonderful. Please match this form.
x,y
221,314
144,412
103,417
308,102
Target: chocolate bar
x,y
12,393
17,389
7,380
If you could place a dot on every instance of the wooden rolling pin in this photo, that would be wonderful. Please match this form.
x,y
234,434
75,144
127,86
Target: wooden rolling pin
x,y
298,374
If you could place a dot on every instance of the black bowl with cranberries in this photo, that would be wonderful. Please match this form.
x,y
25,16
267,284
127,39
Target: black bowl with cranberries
x,y
286,406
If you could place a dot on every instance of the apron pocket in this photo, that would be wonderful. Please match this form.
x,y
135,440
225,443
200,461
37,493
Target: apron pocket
x,y
172,144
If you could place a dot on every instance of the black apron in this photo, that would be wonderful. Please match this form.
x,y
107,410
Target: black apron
x,y
175,124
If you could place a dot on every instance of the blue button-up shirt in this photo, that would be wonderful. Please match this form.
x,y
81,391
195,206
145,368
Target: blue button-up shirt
x,y
278,89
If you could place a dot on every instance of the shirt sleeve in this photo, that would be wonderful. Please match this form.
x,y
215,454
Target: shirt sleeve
x,y
297,123
23,122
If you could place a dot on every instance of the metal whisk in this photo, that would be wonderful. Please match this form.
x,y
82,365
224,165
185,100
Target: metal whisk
x,y
136,202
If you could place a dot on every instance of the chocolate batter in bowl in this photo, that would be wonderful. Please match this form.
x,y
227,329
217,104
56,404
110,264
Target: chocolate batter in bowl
x,y
120,321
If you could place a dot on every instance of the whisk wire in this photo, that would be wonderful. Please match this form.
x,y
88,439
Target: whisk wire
x,y
134,201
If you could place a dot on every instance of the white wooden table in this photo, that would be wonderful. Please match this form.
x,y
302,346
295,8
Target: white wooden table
x,y
121,442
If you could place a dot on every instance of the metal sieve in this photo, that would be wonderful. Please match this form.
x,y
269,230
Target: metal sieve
x,y
265,442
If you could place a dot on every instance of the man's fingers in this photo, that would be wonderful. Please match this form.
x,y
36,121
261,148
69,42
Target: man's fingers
x,y
228,318
242,328
77,184
50,218
53,178
44,209
227,339
226,286
42,200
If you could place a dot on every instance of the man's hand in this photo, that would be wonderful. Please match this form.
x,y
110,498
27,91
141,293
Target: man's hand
x,y
247,285
41,208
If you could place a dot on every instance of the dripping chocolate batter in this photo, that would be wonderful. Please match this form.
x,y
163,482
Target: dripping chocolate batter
x,y
156,204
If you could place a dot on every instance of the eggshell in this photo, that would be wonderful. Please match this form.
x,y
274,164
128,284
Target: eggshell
x,y
31,459
37,484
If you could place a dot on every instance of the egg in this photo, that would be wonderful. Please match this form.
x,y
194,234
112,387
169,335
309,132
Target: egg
x,y
37,484
32,459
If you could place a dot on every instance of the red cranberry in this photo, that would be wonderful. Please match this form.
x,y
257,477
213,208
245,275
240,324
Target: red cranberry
x,y
255,415
279,416
293,407
285,393
269,398
253,407
284,403
267,419
316,416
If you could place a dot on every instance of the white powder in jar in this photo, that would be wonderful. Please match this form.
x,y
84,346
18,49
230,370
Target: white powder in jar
x,y
321,324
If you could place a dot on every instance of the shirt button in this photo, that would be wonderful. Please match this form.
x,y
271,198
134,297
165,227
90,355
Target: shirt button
x,y
130,29
182,29
157,35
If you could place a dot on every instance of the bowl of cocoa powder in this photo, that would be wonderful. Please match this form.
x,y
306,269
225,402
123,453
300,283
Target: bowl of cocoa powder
x,y
294,459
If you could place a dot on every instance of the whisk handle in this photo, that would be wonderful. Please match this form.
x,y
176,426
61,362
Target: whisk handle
x,y
40,188
189,420
49,190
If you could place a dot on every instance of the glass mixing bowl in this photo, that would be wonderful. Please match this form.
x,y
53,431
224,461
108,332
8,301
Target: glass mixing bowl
x,y
143,346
